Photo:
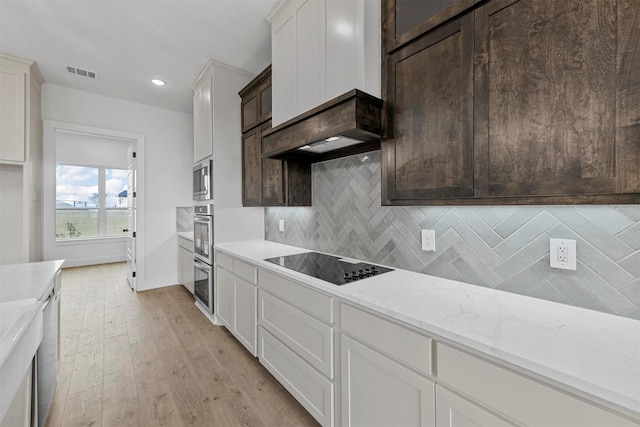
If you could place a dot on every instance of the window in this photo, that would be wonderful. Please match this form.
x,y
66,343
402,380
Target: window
x,y
91,202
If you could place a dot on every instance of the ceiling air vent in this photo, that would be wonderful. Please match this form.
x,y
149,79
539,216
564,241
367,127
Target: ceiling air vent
x,y
81,72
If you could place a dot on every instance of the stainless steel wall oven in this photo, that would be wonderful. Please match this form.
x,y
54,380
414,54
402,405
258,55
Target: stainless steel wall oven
x,y
203,262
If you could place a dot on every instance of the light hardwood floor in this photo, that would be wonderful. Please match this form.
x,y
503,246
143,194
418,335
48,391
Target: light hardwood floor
x,y
152,359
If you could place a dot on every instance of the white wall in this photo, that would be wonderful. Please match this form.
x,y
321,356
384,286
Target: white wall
x,y
168,158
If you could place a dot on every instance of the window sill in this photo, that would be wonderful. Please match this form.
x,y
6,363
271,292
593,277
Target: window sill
x,y
90,240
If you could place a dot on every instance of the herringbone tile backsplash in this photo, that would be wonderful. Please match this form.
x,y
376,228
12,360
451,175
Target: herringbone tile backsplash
x,y
503,247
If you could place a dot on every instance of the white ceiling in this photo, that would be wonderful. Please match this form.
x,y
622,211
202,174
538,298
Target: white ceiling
x,y
128,42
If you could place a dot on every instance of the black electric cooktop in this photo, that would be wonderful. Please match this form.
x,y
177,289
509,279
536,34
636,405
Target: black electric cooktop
x,y
332,269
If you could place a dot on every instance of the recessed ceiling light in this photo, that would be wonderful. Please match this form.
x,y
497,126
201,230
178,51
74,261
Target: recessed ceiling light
x,y
158,82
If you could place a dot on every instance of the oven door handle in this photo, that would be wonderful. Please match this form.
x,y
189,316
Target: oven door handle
x,y
201,265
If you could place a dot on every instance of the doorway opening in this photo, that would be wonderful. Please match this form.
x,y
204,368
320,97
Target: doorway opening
x,y
93,209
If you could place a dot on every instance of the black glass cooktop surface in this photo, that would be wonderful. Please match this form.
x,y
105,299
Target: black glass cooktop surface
x,y
332,269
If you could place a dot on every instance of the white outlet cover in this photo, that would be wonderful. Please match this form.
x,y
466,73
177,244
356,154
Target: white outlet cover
x,y
281,225
566,247
428,240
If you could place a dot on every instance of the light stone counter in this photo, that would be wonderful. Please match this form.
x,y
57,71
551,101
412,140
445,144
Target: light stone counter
x,y
23,288
186,235
589,351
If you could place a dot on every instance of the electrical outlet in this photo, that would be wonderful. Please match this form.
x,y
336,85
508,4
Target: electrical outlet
x,y
562,254
281,225
428,240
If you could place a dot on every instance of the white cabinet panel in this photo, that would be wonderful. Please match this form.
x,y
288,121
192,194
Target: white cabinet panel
x,y
308,300
308,337
309,387
236,301
321,49
310,55
12,115
203,118
284,69
225,261
185,263
378,391
225,284
245,271
344,46
408,346
454,411
245,314
516,396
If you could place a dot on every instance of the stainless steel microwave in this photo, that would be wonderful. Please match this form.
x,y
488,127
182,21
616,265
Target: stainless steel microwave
x,y
203,180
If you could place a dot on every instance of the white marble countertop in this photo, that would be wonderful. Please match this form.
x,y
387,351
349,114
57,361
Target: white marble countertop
x,y
29,280
23,287
589,351
185,234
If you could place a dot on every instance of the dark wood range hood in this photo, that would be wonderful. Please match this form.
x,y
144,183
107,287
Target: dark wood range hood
x,y
352,119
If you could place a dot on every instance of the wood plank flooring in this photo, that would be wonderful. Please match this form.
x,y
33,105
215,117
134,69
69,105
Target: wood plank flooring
x,y
152,359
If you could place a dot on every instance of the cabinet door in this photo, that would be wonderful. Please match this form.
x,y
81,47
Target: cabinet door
x,y
284,77
454,411
12,115
252,168
226,298
187,270
273,182
202,119
378,391
404,20
245,314
250,111
263,180
554,95
429,95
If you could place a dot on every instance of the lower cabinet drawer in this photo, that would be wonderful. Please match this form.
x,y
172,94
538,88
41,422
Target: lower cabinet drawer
x,y
409,347
309,387
516,396
305,335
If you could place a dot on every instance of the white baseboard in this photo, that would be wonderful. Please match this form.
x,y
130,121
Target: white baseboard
x,y
81,262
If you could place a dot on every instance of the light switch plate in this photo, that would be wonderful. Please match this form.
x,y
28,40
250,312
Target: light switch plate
x,y
281,225
428,240
562,254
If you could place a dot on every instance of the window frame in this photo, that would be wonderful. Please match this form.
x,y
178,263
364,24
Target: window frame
x,y
101,205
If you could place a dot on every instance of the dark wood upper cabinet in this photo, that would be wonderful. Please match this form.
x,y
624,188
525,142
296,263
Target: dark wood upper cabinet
x,y
550,78
405,20
256,100
515,102
429,89
267,182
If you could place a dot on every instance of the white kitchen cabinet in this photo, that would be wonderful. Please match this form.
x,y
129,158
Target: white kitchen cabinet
x,y
384,372
455,411
225,283
236,299
313,390
218,137
203,116
12,119
379,391
518,397
20,161
185,263
18,413
296,341
321,49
